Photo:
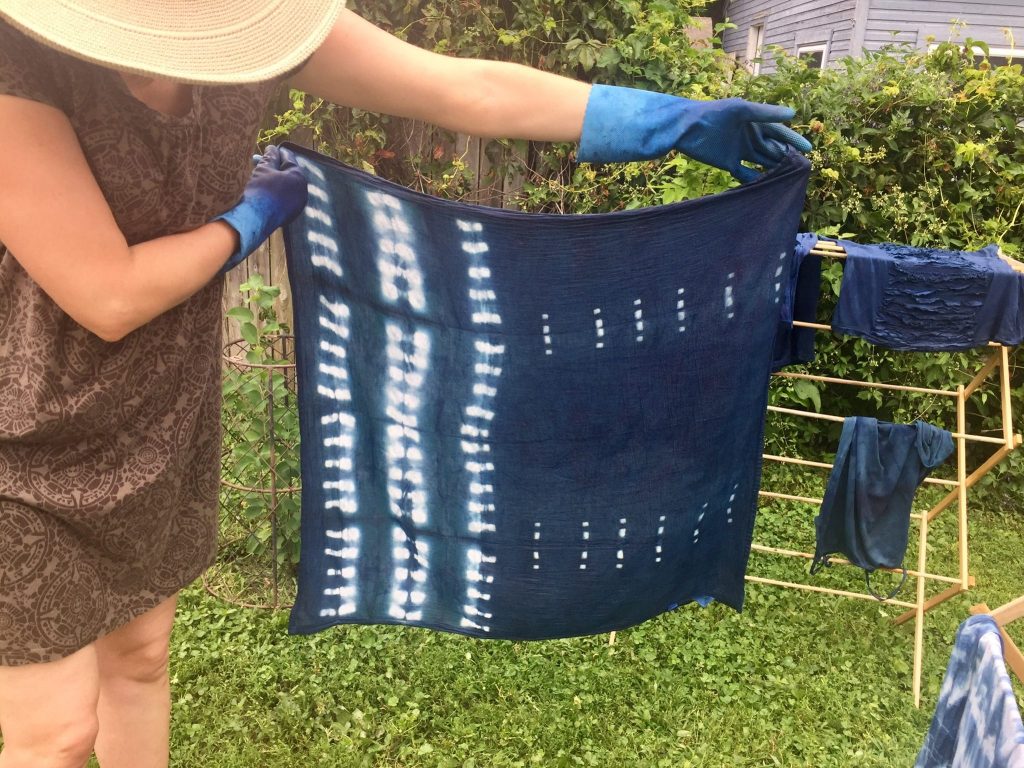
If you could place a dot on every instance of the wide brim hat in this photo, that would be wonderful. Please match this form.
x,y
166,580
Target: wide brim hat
x,y
191,41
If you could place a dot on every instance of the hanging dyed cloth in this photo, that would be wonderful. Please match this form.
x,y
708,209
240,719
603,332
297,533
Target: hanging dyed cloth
x,y
530,426
794,345
929,300
977,723
865,514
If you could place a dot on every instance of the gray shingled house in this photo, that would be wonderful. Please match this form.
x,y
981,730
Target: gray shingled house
x,y
826,30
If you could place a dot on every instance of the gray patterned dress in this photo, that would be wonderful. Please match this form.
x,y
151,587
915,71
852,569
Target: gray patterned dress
x,y
109,452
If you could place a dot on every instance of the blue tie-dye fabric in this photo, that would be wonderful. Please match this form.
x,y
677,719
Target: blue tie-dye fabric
x,y
977,723
926,299
530,426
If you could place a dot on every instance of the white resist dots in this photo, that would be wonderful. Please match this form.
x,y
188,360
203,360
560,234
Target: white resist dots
x,y
638,319
408,584
323,246
598,328
681,309
536,552
659,542
729,299
620,552
408,358
778,276
475,430
401,278
584,553
338,430
700,518
546,330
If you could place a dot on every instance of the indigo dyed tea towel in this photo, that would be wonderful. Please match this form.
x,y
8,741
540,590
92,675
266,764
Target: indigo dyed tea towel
x,y
977,723
530,426
865,513
929,300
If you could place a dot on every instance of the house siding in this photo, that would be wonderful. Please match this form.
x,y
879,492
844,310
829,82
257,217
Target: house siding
x,y
847,26
914,21
790,24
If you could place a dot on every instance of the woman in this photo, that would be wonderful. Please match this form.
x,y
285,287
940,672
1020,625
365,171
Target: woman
x,y
127,145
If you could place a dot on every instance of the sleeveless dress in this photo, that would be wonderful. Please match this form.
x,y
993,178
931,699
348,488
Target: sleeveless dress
x,y
110,452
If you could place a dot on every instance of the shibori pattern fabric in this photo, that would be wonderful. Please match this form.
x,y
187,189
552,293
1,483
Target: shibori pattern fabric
x,y
977,723
529,426
794,344
925,299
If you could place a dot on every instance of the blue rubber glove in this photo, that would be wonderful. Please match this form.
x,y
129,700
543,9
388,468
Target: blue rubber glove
x,y
623,124
275,195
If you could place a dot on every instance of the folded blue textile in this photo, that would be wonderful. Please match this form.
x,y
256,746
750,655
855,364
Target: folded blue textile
x,y
799,302
529,426
865,513
977,723
926,299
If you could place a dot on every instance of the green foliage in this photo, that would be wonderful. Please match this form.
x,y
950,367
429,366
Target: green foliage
x,y
795,680
642,43
909,147
261,426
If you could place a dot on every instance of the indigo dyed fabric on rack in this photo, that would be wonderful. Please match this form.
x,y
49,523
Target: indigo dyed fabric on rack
x,y
530,426
977,723
799,302
926,299
865,513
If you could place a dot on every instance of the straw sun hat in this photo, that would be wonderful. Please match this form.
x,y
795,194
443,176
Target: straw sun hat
x,y
192,41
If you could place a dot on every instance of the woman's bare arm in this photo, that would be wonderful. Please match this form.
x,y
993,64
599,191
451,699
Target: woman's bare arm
x,y
57,224
359,65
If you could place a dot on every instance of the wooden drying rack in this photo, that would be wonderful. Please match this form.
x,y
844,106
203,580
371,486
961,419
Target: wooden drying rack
x,y
1003,615
957,495
1004,445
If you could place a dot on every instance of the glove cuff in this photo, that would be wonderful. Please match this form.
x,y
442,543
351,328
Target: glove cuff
x,y
248,228
623,124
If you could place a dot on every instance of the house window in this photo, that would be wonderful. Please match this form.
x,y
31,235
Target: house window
x,y
814,54
755,44
1000,57
997,57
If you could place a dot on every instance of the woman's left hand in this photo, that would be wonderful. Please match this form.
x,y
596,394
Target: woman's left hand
x,y
275,195
623,124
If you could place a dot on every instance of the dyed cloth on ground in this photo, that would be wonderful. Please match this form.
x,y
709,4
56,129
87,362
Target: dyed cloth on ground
x,y
926,299
795,345
865,514
530,426
977,723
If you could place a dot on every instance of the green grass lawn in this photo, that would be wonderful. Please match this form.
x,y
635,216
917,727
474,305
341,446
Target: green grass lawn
x,y
797,679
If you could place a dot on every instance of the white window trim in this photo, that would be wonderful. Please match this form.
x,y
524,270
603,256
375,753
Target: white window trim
x,y
814,48
1009,53
1017,54
755,47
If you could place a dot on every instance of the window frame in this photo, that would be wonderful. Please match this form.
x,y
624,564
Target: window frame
x,y
755,47
816,47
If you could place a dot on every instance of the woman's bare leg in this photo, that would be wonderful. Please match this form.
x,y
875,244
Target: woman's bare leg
x,y
48,712
134,691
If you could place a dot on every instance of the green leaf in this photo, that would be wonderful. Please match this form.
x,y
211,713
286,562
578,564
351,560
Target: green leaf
x,y
242,314
249,333
807,392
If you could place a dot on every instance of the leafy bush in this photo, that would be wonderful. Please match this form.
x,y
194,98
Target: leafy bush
x,y
913,147
261,436
909,146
